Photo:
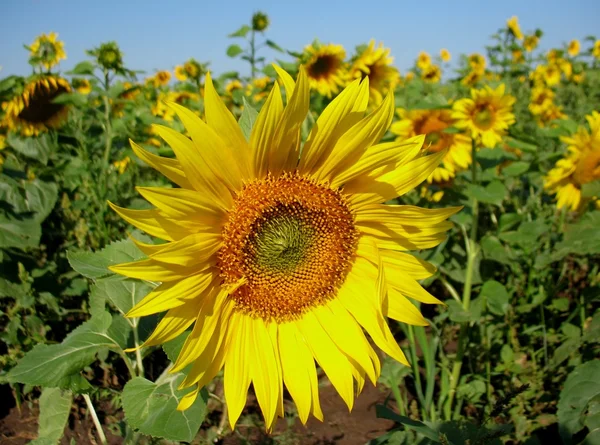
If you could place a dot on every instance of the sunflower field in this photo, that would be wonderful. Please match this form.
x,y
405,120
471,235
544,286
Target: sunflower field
x,y
320,249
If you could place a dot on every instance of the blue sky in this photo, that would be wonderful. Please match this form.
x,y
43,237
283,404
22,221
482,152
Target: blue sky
x,y
161,34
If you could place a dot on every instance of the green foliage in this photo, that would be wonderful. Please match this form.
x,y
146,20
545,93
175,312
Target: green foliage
x,y
55,406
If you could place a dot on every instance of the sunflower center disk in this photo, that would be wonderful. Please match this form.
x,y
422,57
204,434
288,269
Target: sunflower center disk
x,y
293,241
588,168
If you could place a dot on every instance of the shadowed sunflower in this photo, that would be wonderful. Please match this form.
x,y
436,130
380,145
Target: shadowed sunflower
x,y
280,256
47,50
376,64
433,124
487,114
580,166
33,112
325,68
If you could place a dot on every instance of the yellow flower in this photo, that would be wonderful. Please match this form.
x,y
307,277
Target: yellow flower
x,y
232,86
513,26
161,78
541,99
33,111
472,78
530,43
409,76
487,114
180,73
517,56
596,49
574,47
47,50
432,74
445,55
82,86
193,69
579,77
546,74
552,56
580,166
477,63
279,256
122,165
325,68
423,60
375,63
162,110
433,124
259,88
549,114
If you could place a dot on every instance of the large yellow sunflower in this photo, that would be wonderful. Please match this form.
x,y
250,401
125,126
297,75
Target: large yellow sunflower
x,y
580,166
376,64
280,255
487,114
433,124
33,112
326,69
47,50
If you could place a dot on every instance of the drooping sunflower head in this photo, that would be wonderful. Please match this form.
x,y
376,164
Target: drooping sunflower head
x,y
326,68
514,28
574,47
108,56
579,166
33,111
423,60
445,55
280,253
376,64
531,42
487,114
435,125
47,50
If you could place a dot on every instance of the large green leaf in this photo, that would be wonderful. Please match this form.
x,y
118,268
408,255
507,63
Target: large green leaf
x,y
121,292
55,406
95,264
59,366
496,296
151,408
579,402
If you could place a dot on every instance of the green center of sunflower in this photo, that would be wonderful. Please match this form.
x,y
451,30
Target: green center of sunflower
x,y
292,240
483,118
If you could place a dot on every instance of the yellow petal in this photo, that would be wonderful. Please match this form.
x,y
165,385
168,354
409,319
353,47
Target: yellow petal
x,y
220,119
174,323
236,378
286,79
263,131
398,215
190,251
217,155
405,237
153,271
380,188
208,365
147,249
398,307
354,142
188,399
417,268
340,115
171,168
152,222
404,283
334,363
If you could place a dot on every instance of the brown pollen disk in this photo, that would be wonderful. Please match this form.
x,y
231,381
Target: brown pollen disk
x,y
293,240
40,108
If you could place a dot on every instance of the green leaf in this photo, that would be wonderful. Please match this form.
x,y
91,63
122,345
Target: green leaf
x,y
521,145
274,46
234,50
22,234
247,119
578,400
383,412
95,264
496,296
591,189
55,406
493,193
58,366
241,32
494,250
173,347
516,168
41,198
38,148
83,68
151,408
121,292
76,99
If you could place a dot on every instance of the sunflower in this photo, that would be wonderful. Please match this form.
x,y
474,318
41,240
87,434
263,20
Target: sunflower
x,y
160,108
541,99
487,114
432,74
277,258
434,125
47,50
549,114
423,60
122,165
580,166
376,64
325,68
81,85
530,43
161,78
472,78
445,55
180,73
33,111
517,56
596,49
546,75
477,62
574,47
514,28
232,86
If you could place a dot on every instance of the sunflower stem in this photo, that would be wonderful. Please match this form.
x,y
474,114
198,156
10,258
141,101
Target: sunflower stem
x,y
97,424
252,54
138,353
108,133
472,252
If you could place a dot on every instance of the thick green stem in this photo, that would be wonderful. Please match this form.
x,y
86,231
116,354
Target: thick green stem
x,y
97,424
472,252
252,55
